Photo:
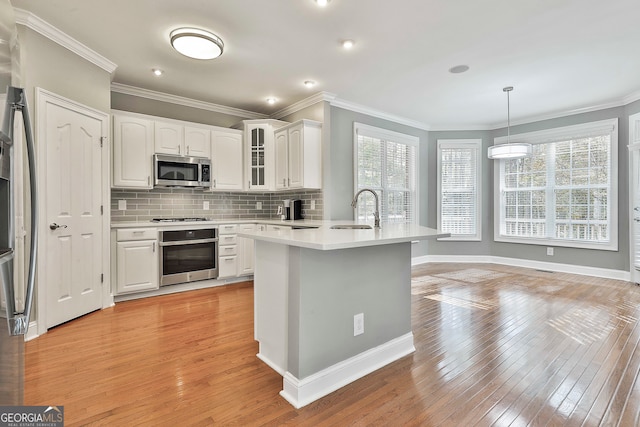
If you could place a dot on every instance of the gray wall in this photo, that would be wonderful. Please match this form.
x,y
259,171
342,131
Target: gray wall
x,y
52,67
340,190
168,110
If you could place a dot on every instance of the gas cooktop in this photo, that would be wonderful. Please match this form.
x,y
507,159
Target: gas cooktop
x,y
178,219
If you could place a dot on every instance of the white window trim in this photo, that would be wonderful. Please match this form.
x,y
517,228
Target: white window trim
x,y
466,144
558,134
386,134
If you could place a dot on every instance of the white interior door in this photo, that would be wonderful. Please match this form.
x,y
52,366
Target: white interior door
x,y
72,228
634,188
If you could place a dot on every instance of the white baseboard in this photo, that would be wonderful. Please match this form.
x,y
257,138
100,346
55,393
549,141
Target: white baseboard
x,y
270,363
32,332
302,392
537,265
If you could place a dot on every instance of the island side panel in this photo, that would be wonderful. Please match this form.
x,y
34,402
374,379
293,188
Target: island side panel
x,y
271,296
326,290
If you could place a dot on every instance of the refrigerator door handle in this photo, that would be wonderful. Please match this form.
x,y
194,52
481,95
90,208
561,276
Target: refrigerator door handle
x,y
19,322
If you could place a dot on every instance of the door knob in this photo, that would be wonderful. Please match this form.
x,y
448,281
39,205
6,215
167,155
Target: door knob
x,y
55,226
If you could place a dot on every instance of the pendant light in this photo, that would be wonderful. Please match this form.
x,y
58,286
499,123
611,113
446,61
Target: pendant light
x,y
509,150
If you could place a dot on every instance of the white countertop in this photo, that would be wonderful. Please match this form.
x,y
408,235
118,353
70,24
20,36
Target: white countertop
x,y
325,238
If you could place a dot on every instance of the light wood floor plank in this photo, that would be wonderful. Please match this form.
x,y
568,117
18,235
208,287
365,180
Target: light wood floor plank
x,y
495,345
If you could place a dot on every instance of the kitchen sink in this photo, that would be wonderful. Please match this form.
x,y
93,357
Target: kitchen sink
x,y
351,227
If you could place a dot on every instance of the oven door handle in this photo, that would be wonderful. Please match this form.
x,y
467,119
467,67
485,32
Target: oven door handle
x,y
188,242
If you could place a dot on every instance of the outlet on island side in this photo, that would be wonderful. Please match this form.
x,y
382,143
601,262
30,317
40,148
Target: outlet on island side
x,y
358,324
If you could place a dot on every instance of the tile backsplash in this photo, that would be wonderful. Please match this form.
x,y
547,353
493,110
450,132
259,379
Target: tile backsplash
x,y
144,205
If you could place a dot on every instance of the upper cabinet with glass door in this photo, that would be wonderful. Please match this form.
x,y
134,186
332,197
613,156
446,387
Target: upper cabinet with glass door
x,y
259,146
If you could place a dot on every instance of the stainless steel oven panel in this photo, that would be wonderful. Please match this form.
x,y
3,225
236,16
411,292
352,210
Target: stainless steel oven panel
x,y
191,276
184,240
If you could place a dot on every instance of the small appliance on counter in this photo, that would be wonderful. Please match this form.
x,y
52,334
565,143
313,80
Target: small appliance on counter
x,y
292,209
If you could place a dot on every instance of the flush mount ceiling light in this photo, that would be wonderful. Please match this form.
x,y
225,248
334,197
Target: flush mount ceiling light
x,y
509,150
196,43
271,101
322,3
309,83
157,71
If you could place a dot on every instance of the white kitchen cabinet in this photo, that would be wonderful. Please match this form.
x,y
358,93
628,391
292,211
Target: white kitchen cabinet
x,y
169,138
197,141
271,227
136,260
246,251
132,152
227,160
227,251
259,161
298,155
182,140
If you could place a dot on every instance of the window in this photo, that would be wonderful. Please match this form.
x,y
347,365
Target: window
x,y
385,162
459,188
565,194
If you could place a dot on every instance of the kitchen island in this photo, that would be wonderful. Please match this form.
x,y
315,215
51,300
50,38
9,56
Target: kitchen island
x,y
332,305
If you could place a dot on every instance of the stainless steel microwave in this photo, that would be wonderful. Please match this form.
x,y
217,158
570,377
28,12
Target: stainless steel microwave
x,y
181,171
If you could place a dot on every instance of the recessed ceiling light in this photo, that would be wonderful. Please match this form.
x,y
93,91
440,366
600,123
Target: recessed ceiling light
x,y
459,69
348,44
322,3
271,101
309,83
196,43
157,71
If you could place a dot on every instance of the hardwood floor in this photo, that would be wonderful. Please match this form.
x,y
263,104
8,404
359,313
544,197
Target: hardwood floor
x,y
495,345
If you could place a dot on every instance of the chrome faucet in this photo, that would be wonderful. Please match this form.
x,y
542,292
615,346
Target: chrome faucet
x,y
376,214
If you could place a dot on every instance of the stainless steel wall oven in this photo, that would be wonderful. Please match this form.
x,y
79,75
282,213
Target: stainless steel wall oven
x,y
188,255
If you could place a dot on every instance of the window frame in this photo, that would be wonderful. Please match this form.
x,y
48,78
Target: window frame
x,y
473,144
396,137
560,134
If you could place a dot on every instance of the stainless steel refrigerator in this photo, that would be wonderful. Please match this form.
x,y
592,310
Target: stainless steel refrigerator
x,y
14,321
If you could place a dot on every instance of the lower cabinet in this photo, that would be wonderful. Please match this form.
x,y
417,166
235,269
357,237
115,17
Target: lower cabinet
x,y
235,253
136,260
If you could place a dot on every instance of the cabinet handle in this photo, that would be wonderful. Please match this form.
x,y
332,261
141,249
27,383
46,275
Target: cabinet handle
x,y
148,180
154,247
284,182
178,149
289,179
214,183
187,150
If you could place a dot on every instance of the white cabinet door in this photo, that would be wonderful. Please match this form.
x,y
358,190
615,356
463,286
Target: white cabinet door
x,y
259,145
137,266
226,160
228,266
132,152
246,252
281,160
197,141
169,138
296,157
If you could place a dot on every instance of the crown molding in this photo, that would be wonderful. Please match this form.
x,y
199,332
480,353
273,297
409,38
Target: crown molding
x,y
307,102
38,25
187,102
635,96
358,108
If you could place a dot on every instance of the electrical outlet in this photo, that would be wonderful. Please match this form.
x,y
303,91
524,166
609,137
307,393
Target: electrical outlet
x,y
358,324
205,205
122,205
313,205
258,205
550,251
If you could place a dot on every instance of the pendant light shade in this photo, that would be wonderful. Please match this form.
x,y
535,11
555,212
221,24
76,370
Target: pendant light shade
x,y
509,150
196,43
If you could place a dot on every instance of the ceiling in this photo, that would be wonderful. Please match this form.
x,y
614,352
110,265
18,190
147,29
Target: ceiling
x,y
561,56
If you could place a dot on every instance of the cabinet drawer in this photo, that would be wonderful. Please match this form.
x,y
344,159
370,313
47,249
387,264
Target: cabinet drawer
x,y
227,239
228,250
228,229
277,227
228,266
137,234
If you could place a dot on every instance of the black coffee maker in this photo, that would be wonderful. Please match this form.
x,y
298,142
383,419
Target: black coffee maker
x,y
292,209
